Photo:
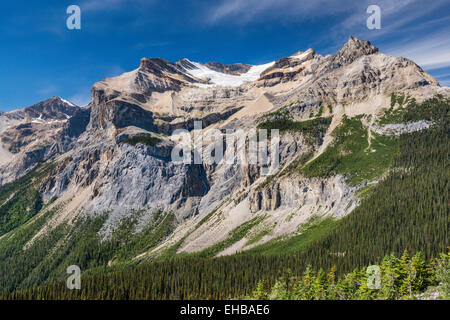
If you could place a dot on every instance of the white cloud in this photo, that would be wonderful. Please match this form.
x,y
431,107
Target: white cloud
x,y
397,17
95,5
432,52
442,75
114,71
108,5
151,44
244,11
48,90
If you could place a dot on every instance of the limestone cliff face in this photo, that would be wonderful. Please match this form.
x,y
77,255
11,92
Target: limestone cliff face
x,y
98,171
332,195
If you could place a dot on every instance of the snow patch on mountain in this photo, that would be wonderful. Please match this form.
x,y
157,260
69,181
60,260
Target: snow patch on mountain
x,y
68,102
226,80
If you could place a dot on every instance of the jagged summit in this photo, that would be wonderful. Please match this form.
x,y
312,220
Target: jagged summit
x,y
187,73
157,66
233,69
54,108
353,49
232,75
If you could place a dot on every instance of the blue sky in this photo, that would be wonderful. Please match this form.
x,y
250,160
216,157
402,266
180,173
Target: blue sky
x,y
40,57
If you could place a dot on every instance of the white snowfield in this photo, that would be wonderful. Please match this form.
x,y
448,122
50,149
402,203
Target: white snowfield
x,y
226,80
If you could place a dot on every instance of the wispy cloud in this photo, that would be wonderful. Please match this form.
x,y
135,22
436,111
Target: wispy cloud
x,y
81,98
108,5
103,5
396,17
48,90
398,21
144,45
400,12
245,11
114,71
432,52
445,75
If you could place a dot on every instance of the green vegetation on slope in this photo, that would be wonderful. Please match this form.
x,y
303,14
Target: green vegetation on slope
x,y
234,236
48,256
20,200
320,112
296,165
351,155
311,231
313,130
400,99
409,209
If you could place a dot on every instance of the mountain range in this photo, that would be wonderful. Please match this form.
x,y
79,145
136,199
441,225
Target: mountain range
x,y
107,167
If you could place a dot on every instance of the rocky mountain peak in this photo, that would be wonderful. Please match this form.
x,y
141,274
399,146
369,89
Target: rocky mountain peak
x,y
54,108
353,49
158,66
186,64
233,69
